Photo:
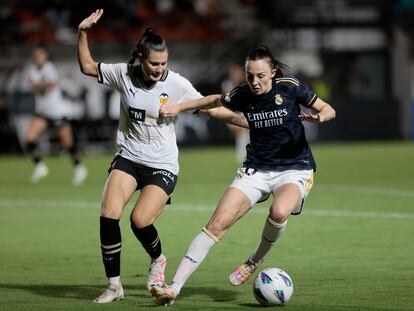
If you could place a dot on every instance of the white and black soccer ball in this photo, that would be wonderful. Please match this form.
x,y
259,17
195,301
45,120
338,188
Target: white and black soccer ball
x,y
272,287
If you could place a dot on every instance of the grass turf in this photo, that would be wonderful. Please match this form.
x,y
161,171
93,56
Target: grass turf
x,y
352,249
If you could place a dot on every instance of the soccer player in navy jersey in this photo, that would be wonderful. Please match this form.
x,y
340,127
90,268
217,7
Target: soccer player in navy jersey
x,y
147,152
279,162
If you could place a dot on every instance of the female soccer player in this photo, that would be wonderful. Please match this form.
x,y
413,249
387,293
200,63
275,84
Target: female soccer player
x,y
147,155
279,162
44,80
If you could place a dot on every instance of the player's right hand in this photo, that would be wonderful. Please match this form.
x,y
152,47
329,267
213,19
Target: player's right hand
x,y
169,110
91,20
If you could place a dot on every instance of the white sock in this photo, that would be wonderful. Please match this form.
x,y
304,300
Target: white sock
x,y
194,256
272,231
159,258
115,281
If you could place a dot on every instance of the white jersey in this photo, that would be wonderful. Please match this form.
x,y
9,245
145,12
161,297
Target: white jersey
x,y
143,136
48,103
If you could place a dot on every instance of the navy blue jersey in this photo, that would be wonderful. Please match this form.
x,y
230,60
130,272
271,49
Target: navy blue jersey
x,y
277,135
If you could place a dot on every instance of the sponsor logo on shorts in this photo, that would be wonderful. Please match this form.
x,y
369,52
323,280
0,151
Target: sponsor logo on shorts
x,y
166,174
250,171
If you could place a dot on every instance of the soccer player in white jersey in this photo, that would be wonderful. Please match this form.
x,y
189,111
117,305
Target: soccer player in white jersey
x,y
147,153
278,162
44,80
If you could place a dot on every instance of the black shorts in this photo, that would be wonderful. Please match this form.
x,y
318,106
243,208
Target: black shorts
x,y
54,123
145,175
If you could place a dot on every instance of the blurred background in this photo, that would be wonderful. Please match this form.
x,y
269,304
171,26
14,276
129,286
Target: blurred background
x,y
356,54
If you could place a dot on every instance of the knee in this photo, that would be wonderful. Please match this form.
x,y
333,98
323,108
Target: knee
x,y
140,221
111,211
135,222
279,216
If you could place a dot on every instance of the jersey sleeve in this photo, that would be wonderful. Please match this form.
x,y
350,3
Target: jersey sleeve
x,y
305,95
188,91
110,74
232,100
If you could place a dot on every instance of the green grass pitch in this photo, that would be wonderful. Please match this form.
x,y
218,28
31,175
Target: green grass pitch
x,y
351,249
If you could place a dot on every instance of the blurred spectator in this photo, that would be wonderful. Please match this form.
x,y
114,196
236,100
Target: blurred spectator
x,y
44,80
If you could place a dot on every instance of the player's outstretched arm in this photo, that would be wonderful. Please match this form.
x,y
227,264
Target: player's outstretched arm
x,y
210,101
323,112
86,63
228,116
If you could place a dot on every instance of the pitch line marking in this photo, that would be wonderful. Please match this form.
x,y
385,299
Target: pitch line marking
x,y
205,208
394,192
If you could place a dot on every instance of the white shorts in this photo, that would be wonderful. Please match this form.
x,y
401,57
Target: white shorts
x,y
258,185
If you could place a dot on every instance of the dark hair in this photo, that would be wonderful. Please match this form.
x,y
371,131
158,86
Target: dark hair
x,y
45,49
150,40
263,52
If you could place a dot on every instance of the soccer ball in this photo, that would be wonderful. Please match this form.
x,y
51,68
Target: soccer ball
x,y
273,287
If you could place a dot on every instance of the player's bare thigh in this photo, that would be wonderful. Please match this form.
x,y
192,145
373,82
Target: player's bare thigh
x,y
65,136
233,205
119,188
149,206
286,198
36,127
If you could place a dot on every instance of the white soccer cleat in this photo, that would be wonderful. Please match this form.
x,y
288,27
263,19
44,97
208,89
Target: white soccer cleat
x,y
156,272
40,171
164,294
112,293
79,175
242,273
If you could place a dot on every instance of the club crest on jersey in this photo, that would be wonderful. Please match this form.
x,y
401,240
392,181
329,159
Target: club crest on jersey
x,y
163,98
278,99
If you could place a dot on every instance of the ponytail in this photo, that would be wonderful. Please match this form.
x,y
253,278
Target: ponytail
x,y
263,52
150,40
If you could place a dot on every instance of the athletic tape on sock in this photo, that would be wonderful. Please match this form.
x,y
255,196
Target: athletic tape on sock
x,y
210,234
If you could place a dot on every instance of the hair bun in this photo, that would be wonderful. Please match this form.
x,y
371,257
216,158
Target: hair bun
x,y
149,31
264,48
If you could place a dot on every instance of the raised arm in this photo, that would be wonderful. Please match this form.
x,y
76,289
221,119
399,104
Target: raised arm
x,y
207,102
86,63
323,112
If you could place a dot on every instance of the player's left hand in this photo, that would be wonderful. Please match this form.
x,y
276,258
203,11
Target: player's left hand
x,y
169,110
91,20
303,116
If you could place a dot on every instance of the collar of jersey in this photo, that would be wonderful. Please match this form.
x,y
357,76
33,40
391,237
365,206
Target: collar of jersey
x,y
137,77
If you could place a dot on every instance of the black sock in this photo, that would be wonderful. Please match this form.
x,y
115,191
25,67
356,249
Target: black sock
x,y
32,149
111,243
74,154
149,239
